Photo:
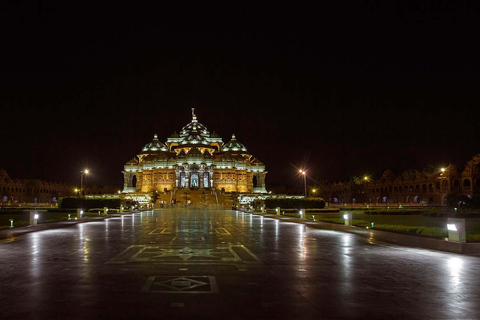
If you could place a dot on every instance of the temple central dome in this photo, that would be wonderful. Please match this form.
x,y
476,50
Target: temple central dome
x,y
194,127
194,158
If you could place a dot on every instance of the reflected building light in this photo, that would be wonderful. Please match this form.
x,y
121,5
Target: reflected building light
x,y
35,237
301,235
81,226
35,265
455,267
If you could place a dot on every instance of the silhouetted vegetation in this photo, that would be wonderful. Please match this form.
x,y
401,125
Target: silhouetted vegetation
x,y
295,203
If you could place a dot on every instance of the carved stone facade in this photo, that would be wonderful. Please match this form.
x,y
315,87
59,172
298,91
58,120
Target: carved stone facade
x,y
34,191
428,188
19,191
195,159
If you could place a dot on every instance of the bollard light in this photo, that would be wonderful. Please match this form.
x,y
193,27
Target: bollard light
x,y
313,216
371,223
11,223
33,218
348,219
301,213
452,227
69,217
456,229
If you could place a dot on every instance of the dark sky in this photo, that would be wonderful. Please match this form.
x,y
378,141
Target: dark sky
x,y
346,90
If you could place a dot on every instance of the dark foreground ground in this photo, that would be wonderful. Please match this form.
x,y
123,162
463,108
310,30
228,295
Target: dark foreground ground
x,y
194,264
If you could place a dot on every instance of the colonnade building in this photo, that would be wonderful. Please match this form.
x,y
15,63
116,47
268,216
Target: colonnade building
x,y
195,158
428,188
35,191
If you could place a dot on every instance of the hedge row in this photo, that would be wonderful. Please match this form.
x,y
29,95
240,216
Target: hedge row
x,y
295,203
71,203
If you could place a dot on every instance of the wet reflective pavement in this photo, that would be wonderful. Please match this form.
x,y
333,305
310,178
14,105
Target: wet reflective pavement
x,y
222,264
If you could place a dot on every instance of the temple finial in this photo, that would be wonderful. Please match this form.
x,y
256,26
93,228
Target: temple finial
x,y
155,136
194,117
233,136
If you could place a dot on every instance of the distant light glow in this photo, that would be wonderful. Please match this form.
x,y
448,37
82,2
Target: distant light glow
x,y
345,216
35,216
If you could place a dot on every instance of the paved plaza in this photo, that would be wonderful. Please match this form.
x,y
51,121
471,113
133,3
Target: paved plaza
x,y
222,264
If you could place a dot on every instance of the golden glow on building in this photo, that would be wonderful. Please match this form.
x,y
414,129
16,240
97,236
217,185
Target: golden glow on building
x,y
194,159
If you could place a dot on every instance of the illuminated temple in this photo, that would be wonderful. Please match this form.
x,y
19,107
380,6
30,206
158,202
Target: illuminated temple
x,y
194,159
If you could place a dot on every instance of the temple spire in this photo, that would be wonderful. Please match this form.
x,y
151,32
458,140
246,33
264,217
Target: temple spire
x,y
194,117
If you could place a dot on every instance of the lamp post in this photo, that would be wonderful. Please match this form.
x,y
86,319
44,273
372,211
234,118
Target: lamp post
x,y
304,172
81,181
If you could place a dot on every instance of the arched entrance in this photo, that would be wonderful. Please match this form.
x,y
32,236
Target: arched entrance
x,y
255,181
194,180
134,181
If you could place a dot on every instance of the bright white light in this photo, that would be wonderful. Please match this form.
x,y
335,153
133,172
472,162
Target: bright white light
x,y
35,216
451,227
345,216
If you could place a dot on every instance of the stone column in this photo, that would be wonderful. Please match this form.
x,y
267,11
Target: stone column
x,y
200,178
125,180
187,178
177,177
210,174
130,179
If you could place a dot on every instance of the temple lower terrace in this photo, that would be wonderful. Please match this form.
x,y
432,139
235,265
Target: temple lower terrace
x,y
193,159
224,264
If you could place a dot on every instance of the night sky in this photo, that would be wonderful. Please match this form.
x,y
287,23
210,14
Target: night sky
x,y
343,91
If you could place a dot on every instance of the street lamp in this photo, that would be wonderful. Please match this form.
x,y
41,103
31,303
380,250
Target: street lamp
x,y
81,180
304,172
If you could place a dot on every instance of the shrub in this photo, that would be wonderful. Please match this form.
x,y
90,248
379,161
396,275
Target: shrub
x,y
70,203
473,237
418,230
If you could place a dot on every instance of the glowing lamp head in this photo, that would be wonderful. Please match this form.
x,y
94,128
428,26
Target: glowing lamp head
x,y
365,178
451,227
345,216
86,171
442,169
35,216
